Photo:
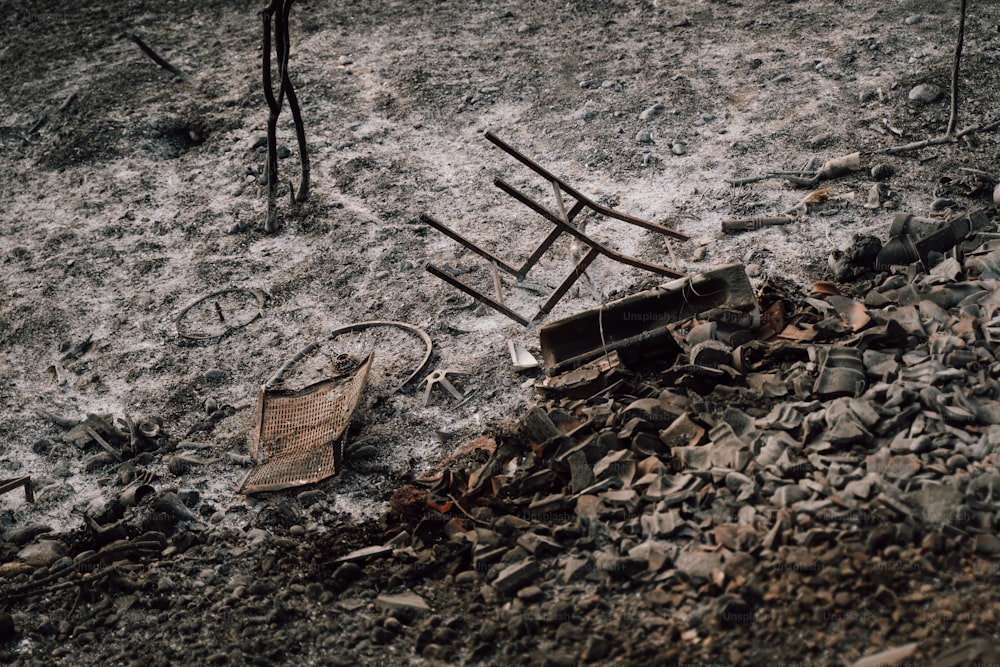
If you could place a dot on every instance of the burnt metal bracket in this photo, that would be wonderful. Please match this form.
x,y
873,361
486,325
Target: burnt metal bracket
x,y
11,484
563,221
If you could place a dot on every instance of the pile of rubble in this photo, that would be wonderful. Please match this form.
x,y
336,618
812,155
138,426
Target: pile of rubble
x,y
850,436
710,468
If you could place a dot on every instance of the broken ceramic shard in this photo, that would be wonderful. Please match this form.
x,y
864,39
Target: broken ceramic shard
x,y
842,374
520,358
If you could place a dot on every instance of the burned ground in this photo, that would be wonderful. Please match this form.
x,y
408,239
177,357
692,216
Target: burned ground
x,y
128,193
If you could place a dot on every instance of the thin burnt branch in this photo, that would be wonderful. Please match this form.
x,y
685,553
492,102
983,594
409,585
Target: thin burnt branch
x,y
953,116
145,48
293,104
943,139
951,135
274,108
276,14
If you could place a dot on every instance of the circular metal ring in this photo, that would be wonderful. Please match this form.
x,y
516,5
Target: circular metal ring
x,y
358,326
231,325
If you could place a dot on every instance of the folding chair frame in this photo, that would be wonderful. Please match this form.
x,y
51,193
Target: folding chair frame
x,y
563,221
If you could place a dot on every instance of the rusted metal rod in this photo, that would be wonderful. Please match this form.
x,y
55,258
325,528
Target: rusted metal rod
x,y
733,226
578,270
569,229
447,231
564,223
576,194
11,484
293,104
479,296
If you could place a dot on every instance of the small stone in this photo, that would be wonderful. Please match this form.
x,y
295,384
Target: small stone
x,y
467,578
531,594
699,564
511,525
311,497
740,564
678,148
882,171
381,635
912,20
7,629
345,60
347,573
789,495
644,136
573,568
514,577
297,531
539,545
21,536
892,656
445,635
956,462
214,375
943,203
651,112
42,553
596,648
935,543
258,536
283,152
925,93
987,544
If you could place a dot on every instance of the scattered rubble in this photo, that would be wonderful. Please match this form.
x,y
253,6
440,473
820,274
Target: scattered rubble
x,y
850,445
812,484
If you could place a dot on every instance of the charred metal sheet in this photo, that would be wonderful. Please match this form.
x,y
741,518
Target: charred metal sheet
x,y
299,436
637,326
563,219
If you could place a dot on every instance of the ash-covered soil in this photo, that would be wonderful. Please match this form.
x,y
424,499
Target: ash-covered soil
x,y
127,194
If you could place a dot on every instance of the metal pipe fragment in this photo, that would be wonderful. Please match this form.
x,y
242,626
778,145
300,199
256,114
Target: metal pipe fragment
x,y
736,225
